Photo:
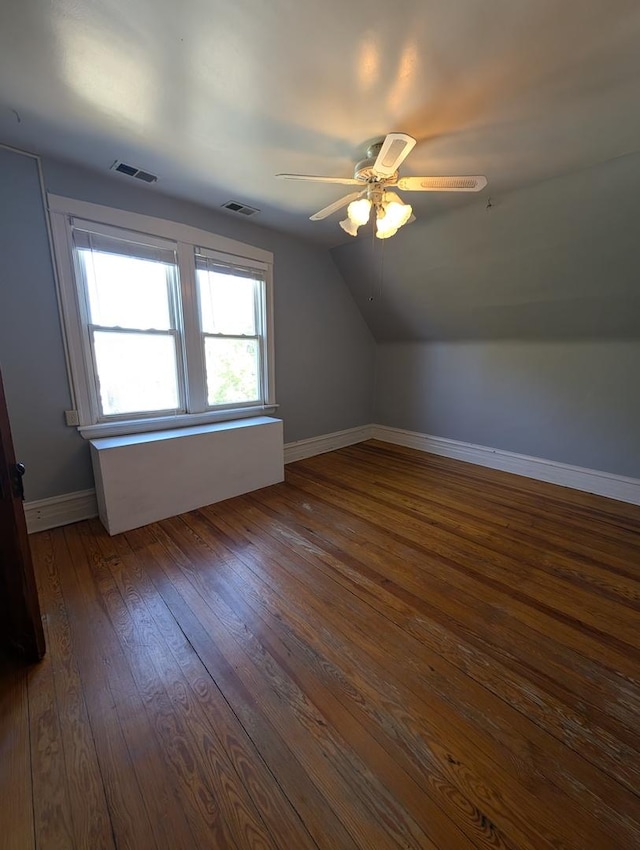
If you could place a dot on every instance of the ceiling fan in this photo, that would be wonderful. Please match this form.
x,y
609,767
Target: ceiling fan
x,y
376,176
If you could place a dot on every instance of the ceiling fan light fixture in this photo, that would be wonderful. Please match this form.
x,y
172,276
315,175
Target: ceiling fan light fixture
x,y
358,212
392,214
349,227
397,213
384,232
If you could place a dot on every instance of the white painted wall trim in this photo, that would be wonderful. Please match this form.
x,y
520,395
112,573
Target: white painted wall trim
x,y
578,478
175,231
73,507
42,514
302,449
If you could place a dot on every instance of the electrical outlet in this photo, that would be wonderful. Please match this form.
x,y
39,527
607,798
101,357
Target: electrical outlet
x,y
71,417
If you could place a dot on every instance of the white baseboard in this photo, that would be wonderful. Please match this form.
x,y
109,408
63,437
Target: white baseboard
x,y
43,514
325,443
589,480
73,507
60,510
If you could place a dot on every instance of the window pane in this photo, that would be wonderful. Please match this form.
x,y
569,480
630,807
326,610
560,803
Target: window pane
x,y
232,370
136,372
227,303
127,292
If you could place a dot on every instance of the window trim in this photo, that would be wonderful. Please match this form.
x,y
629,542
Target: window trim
x,y
87,327
250,273
188,240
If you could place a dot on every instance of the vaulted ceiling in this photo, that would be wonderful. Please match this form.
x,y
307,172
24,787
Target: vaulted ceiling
x,y
217,97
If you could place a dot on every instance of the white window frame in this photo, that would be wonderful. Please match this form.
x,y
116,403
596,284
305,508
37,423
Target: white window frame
x,y
87,327
259,319
188,240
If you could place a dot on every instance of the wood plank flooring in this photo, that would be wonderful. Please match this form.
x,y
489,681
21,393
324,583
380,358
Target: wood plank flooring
x,y
388,650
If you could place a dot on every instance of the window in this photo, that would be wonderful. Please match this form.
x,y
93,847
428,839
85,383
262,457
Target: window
x,y
160,331
129,294
230,320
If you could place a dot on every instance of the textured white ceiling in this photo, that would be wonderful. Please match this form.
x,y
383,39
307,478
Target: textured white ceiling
x,y
217,97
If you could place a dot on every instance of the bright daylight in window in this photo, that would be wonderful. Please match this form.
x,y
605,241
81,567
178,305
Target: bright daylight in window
x,y
230,322
133,331
164,328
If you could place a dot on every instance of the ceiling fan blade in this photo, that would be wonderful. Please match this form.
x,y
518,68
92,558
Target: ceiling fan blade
x,y
347,181
395,149
337,205
442,184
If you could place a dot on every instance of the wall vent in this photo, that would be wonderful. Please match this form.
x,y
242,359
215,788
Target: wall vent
x,y
241,209
131,171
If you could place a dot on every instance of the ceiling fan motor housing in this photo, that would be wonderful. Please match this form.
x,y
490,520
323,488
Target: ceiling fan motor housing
x,y
375,193
364,170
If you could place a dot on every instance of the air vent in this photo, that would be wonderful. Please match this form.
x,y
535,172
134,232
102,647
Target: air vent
x,y
241,209
131,171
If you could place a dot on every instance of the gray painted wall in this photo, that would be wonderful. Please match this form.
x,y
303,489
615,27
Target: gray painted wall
x,y
31,352
554,266
575,402
324,350
571,401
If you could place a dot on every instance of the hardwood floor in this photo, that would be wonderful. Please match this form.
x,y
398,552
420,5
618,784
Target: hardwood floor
x,y
388,650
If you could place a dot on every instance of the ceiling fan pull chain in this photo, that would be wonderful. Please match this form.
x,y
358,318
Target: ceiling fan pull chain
x,y
371,298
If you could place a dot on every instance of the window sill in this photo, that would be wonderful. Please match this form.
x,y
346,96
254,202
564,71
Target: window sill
x,y
162,423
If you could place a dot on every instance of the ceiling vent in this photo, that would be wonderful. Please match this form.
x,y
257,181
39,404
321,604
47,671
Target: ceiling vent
x,y
131,171
241,209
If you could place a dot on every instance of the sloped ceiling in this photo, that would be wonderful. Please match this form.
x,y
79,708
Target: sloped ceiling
x,y
557,260
216,97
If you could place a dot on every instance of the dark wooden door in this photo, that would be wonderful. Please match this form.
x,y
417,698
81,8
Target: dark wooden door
x,y
20,620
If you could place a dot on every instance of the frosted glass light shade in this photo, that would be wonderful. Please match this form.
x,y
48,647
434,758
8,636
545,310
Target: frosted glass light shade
x,y
359,211
394,215
349,227
397,214
384,231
